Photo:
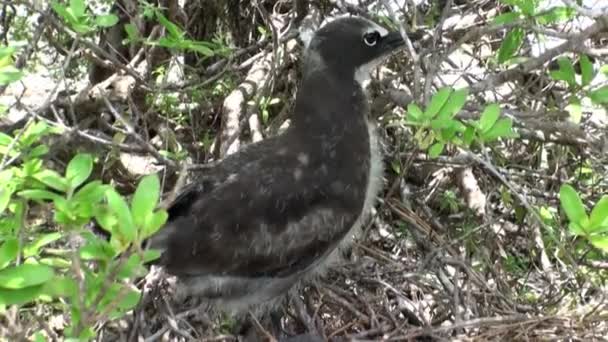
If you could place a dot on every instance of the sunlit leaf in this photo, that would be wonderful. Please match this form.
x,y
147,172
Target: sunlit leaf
x,y
572,204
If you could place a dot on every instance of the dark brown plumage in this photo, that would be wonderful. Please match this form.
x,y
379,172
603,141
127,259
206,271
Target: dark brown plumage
x,y
276,211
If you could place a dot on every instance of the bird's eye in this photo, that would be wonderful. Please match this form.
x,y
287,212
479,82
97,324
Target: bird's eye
x,y
371,38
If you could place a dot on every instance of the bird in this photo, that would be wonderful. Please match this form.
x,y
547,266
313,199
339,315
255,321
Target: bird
x,y
279,212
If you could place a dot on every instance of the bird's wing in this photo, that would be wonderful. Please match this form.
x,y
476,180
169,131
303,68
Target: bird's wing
x,y
261,222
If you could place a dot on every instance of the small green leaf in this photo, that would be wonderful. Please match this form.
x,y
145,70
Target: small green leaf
x,y
6,193
32,249
9,74
468,135
598,219
437,102
510,45
25,275
587,73
121,209
503,128
555,15
414,113
79,169
154,222
489,117
150,255
38,195
599,96
436,149
200,48
599,242
132,32
52,179
106,20
454,104
565,65
173,30
572,204
8,252
61,287
92,192
78,8
97,250
506,18
20,296
145,198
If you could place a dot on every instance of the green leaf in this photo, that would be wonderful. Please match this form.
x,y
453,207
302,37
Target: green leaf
x,y
502,129
587,72
132,32
8,252
468,135
25,275
565,65
599,242
599,96
489,117
52,179
437,102
145,198
572,204
528,7
61,287
201,48
79,169
598,220
20,296
9,74
454,104
121,209
436,149
32,249
154,222
173,30
131,268
78,8
38,195
510,45
555,15
38,151
150,255
92,192
63,12
414,113
6,193
97,250
106,20
506,18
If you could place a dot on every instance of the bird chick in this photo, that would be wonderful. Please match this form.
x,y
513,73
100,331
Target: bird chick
x,y
278,211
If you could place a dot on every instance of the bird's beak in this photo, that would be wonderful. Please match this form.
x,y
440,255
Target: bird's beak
x,y
394,41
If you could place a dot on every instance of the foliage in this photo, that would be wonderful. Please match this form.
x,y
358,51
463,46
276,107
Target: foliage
x,y
94,281
437,125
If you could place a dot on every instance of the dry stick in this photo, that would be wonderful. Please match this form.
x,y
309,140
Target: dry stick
x,y
131,131
544,259
435,64
235,102
409,46
29,49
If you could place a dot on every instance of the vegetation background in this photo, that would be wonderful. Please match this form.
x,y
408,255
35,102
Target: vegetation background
x,y
493,223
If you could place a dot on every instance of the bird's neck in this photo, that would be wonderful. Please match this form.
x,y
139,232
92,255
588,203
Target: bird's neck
x,y
330,103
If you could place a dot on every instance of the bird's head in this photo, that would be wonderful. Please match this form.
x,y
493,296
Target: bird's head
x,y
351,47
